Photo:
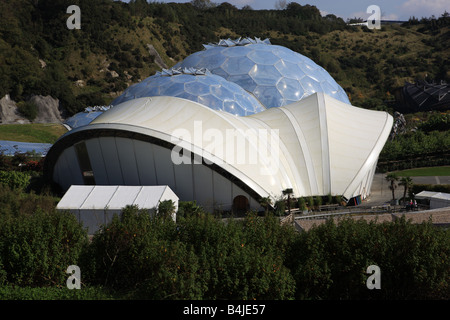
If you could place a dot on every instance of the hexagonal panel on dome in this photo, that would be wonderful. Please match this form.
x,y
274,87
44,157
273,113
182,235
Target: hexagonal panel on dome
x,y
197,85
258,67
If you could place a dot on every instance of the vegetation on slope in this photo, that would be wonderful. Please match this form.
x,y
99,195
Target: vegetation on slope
x,y
40,55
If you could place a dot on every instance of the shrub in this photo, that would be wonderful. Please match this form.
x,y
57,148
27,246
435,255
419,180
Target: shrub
x,y
140,254
166,208
37,249
239,260
330,261
14,179
301,203
201,257
28,109
418,187
188,208
16,203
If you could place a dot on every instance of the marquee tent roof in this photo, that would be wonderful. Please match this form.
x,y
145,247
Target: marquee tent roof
x,y
94,206
81,197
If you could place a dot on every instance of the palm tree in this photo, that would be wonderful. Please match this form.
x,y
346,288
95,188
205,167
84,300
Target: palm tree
x,y
265,202
288,192
166,208
392,178
407,183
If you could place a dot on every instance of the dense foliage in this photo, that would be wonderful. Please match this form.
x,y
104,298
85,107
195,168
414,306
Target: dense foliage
x,y
36,250
197,258
204,257
330,261
424,144
40,55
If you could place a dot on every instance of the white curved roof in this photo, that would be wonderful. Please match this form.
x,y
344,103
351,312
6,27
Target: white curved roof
x,y
318,145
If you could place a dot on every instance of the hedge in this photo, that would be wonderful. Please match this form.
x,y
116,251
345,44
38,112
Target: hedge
x,y
203,257
417,187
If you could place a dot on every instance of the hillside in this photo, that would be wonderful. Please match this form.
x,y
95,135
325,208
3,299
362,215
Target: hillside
x,y
120,44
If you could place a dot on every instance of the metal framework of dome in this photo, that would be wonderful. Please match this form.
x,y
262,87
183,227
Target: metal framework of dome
x,y
237,42
177,71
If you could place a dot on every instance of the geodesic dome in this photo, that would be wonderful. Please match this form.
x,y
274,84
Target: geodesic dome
x,y
198,85
276,75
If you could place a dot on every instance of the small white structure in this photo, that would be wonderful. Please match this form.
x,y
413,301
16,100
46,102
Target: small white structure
x,y
96,205
437,199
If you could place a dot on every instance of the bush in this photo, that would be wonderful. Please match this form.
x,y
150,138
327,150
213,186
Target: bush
x,y
188,208
199,258
301,203
240,259
330,261
166,208
138,253
36,249
14,179
137,256
14,203
419,187
28,109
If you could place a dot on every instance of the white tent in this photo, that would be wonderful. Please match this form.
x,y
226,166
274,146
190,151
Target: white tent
x,y
437,199
96,205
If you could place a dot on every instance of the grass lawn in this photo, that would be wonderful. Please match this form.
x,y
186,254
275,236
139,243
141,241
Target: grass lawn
x,y
425,172
34,132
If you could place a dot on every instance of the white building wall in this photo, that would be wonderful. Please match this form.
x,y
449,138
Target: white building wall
x,y
143,163
326,146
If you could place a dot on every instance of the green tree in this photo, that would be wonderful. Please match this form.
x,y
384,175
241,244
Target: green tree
x,y
289,193
166,208
28,109
266,203
15,179
301,203
203,4
392,178
407,183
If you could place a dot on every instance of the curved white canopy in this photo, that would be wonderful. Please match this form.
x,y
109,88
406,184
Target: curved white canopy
x,y
316,146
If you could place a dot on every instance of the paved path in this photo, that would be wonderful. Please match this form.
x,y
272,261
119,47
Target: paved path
x,y
381,194
432,180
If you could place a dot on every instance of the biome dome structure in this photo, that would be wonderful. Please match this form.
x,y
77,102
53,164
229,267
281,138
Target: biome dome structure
x,y
275,75
226,158
197,85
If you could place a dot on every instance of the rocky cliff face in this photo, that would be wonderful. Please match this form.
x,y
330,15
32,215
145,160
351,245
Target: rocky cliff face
x,y
49,110
9,112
